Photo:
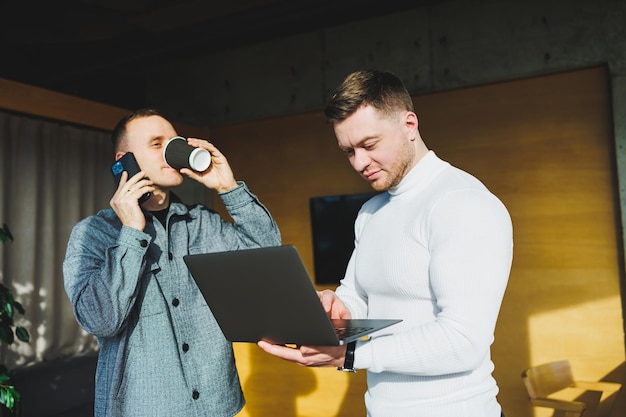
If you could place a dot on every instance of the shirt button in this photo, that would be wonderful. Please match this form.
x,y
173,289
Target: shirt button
x,y
195,395
185,347
143,243
175,302
170,256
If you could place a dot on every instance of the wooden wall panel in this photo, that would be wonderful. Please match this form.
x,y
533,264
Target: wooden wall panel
x,y
36,101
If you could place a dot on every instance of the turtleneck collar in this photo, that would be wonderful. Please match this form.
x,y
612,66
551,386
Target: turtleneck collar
x,y
420,175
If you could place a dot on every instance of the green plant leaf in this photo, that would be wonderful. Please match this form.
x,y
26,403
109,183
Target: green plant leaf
x,y
8,396
19,307
22,334
4,393
6,333
8,309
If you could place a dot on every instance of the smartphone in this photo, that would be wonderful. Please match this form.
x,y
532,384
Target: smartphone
x,y
129,164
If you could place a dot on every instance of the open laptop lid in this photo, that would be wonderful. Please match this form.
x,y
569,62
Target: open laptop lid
x,y
266,293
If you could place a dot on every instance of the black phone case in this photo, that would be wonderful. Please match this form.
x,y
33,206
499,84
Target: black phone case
x,y
129,164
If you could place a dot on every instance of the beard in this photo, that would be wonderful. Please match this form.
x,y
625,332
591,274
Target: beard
x,y
396,172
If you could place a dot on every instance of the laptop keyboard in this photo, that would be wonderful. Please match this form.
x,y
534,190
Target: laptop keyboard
x,y
343,332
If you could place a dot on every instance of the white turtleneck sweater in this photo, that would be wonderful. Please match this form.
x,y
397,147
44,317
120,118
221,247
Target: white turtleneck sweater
x,y
436,252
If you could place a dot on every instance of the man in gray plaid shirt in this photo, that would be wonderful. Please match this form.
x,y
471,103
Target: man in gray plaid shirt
x,y
161,351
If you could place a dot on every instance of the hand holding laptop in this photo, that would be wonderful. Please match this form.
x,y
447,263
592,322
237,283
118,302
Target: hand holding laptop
x,y
316,356
334,307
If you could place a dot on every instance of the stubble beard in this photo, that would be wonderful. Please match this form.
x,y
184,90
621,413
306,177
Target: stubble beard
x,y
397,172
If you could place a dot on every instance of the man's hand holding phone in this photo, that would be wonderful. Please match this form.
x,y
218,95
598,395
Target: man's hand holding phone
x,y
133,189
129,164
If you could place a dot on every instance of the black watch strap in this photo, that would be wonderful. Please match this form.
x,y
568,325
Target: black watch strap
x,y
348,363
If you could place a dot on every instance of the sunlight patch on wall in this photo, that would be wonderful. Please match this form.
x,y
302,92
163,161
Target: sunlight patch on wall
x,y
589,335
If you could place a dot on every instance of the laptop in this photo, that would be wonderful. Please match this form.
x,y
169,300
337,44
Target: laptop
x,y
267,294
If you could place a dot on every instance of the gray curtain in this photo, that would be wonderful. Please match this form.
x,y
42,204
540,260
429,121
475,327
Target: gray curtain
x,y
51,176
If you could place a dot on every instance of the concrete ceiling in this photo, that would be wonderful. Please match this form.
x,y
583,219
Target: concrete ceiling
x,y
101,49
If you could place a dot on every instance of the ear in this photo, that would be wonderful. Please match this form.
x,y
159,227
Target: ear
x,y
118,155
411,123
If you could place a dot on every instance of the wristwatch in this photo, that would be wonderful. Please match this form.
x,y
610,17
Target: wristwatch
x,y
348,363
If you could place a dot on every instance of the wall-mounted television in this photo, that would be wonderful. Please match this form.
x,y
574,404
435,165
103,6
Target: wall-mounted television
x,y
332,229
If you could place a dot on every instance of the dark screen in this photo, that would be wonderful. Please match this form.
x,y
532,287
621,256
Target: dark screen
x,y
332,227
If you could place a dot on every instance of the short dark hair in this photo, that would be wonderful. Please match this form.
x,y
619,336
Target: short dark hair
x,y
381,90
119,132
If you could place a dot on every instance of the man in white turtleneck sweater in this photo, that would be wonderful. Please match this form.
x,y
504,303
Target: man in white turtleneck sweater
x,y
433,249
